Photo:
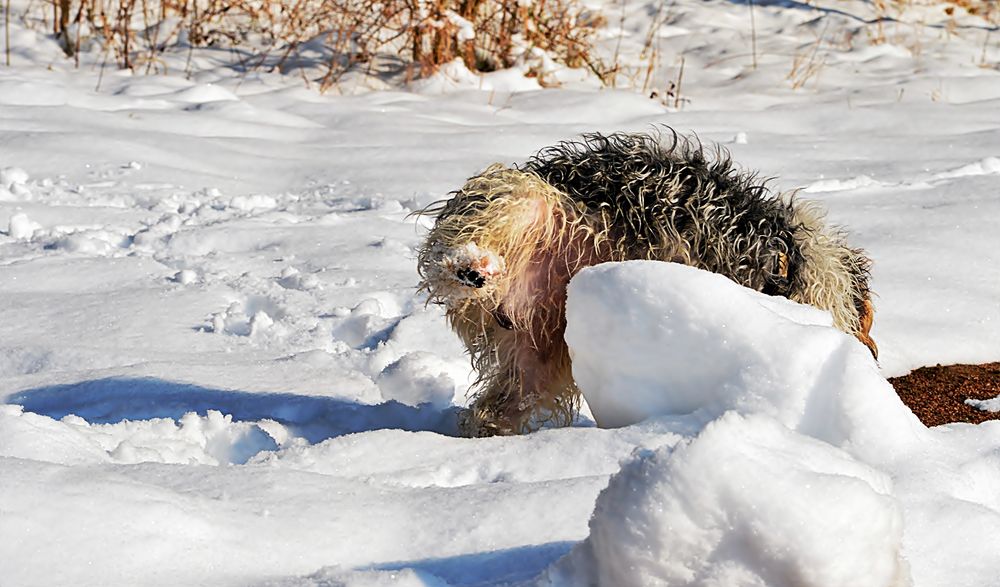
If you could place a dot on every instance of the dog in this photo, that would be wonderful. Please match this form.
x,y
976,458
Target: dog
x,y
504,247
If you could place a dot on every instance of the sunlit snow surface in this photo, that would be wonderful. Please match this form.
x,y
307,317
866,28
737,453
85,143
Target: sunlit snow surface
x,y
809,471
219,372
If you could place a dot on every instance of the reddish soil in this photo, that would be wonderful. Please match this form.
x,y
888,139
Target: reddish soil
x,y
937,394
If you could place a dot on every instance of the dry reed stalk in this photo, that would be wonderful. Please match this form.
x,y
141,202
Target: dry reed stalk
x,y
6,26
805,67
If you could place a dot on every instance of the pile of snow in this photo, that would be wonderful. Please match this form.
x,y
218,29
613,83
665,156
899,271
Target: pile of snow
x,y
13,182
749,502
21,227
985,405
418,378
651,339
800,465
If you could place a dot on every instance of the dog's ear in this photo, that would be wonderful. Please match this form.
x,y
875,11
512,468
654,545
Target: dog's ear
x,y
521,205
533,206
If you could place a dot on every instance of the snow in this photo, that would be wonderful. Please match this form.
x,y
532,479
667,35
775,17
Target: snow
x,y
809,470
687,343
417,378
747,502
215,368
21,227
986,405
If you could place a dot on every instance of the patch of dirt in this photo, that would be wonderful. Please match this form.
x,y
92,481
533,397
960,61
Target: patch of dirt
x,y
937,394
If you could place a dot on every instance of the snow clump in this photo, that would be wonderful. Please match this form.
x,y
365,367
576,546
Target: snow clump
x,y
417,378
210,439
21,227
13,183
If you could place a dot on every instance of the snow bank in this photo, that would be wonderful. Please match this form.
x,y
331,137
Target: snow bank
x,y
800,464
652,339
748,502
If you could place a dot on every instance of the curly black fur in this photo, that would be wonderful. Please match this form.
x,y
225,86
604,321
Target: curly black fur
x,y
661,193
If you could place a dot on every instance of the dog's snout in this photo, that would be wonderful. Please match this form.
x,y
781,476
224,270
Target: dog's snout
x,y
471,277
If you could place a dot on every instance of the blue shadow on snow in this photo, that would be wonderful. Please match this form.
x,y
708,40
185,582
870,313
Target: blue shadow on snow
x,y
482,569
315,418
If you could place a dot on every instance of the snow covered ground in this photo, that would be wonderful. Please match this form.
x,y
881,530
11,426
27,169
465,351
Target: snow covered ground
x,y
217,370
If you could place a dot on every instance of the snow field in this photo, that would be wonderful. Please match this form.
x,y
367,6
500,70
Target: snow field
x,y
218,371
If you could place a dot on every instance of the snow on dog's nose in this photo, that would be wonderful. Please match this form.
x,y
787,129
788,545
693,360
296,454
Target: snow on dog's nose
x,y
458,273
471,265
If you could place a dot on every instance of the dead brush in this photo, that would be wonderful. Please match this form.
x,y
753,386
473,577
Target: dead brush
x,y
422,35
807,65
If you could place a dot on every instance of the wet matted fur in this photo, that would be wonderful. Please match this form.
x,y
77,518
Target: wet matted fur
x,y
504,247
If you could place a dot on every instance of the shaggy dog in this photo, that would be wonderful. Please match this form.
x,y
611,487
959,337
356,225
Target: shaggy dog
x,y
504,247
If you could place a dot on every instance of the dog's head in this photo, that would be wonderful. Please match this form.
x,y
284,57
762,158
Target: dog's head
x,y
460,271
489,242
486,232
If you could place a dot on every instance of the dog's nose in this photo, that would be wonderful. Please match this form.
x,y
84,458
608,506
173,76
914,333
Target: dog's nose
x,y
471,278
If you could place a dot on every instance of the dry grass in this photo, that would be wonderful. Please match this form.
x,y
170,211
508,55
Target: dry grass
x,y
808,64
418,35
322,40
891,14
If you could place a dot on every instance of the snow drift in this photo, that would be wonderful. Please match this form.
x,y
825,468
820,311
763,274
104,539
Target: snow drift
x,y
652,338
800,464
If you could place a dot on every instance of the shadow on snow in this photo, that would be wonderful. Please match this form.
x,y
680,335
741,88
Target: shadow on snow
x,y
315,418
482,569
806,6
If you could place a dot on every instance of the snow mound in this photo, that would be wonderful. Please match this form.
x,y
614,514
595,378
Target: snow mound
x,y
792,440
13,184
252,317
13,176
986,166
653,339
21,227
211,439
839,185
747,502
418,378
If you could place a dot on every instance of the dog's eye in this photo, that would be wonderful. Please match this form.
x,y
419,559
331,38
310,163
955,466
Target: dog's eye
x,y
471,278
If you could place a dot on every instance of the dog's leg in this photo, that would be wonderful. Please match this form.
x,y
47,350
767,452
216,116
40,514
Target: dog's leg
x,y
531,386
